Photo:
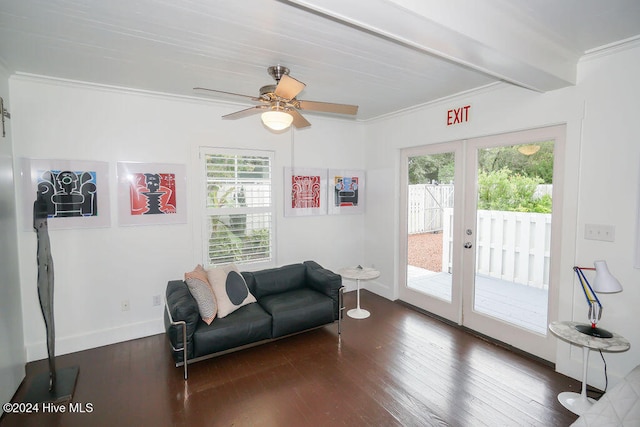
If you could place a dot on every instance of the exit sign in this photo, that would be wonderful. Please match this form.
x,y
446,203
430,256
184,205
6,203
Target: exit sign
x,y
458,115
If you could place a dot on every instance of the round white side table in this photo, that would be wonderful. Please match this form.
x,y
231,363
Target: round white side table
x,y
578,403
358,274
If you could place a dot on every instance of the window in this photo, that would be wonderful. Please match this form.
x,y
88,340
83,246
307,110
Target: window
x,y
238,219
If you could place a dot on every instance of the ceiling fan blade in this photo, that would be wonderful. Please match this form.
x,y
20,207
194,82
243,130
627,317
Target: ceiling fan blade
x,y
208,91
298,120
288,87
245,113
327,107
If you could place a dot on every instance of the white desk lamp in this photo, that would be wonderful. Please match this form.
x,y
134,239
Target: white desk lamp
x,y
604,282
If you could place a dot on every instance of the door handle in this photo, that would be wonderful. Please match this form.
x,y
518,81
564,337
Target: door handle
x,y
468,245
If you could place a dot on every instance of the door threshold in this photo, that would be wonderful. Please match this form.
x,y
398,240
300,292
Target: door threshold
x,y
477,334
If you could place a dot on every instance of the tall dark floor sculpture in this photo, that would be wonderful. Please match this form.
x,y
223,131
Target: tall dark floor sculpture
x,y
45,285
56,385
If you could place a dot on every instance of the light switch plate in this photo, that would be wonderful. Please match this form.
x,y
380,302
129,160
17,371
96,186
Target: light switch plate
x,y
605,233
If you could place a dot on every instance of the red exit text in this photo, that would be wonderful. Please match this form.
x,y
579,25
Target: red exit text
x,y
458,115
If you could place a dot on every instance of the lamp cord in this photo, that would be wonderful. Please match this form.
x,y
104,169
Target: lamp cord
x,y
606,379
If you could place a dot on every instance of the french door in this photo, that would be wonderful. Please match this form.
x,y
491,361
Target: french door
x,y
477,236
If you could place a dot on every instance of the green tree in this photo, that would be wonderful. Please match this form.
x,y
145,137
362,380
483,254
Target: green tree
x,y
440,167
431,167
538,164
228,245
504,190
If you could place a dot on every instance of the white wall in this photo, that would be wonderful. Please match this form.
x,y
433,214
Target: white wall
x,y
95,269
12,357
608,193
601,183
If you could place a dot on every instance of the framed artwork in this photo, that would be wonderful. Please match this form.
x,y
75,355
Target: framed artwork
x,y
151,193
305,191
76,192
346,191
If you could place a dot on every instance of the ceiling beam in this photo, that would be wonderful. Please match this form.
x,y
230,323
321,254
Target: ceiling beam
x,y
476,39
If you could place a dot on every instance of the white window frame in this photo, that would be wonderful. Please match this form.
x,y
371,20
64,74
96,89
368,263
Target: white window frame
x,y
207,211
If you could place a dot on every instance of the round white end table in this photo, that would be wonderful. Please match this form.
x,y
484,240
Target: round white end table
x,y
358,274
578,403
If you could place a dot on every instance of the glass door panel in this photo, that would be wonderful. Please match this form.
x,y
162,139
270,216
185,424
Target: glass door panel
x,y
513,233
430,223
429,249
511,192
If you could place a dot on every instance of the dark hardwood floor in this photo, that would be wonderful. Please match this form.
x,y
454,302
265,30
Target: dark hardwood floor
x,y
397,368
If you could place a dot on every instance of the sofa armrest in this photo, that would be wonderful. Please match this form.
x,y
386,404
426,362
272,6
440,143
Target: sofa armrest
x,y
181,318
182,325
326,282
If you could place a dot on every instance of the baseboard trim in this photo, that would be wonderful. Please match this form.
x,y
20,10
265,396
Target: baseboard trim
x,y
71,344
377,288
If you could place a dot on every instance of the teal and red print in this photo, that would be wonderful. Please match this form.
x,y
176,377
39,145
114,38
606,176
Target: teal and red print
x,y
346,190
68,193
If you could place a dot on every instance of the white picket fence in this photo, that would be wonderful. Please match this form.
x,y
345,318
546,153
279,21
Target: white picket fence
x,y
427,202
426,205
513,246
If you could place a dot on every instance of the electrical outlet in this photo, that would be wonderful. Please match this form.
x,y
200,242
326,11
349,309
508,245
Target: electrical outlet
x,y
124,305
606,233
156,300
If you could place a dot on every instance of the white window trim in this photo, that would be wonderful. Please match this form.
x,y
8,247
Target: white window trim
x,y
205,211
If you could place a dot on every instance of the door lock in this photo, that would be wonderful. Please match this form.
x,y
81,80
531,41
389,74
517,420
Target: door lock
x,y
468,245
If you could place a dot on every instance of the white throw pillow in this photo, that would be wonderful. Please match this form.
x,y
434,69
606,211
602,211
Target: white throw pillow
x,y
229,288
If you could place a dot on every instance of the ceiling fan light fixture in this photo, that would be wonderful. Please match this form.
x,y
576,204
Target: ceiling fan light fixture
x,y
529,150
279,105
276,120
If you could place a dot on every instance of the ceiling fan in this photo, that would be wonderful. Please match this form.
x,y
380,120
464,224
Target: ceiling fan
x,y
279,105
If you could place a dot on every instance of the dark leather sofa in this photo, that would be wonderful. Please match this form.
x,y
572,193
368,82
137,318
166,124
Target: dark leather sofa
x,y
290,299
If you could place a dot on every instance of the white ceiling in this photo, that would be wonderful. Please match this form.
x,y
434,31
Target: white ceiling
x,y
383,55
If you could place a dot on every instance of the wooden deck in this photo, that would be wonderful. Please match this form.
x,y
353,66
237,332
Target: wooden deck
x,y
521,305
